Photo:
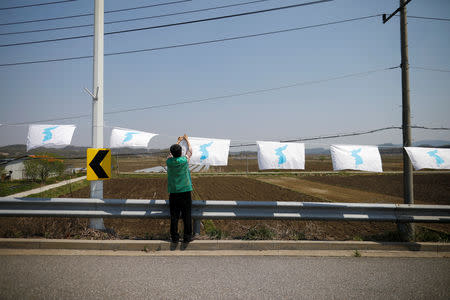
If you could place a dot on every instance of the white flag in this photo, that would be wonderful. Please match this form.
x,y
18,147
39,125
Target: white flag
x,y
274,155
429,158
356,157
49,135
213,152
121,137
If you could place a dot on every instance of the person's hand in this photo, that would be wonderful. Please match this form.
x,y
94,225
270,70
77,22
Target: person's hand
x,y
180,138
185,136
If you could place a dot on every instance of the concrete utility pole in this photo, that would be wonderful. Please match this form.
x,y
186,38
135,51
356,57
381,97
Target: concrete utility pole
x,y
97,104
406,230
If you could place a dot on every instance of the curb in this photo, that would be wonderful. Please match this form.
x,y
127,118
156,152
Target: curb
x,y
218,245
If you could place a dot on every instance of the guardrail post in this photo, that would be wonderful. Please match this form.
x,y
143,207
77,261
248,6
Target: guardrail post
x,y
197,225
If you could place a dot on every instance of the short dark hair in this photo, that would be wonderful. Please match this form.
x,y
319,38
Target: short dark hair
x,y
176,150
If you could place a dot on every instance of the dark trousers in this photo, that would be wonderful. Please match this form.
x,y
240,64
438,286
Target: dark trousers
x,y
180,204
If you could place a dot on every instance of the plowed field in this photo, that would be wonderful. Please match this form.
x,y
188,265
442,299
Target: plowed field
x,y
206,188
428,188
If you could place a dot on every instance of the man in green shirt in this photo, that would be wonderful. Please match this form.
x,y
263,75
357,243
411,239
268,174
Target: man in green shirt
x,y
179,185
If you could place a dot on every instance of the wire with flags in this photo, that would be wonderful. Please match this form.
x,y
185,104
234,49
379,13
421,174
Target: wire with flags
x,y
287,154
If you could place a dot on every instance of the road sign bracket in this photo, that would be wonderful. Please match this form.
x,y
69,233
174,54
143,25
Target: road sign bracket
x,y
94,97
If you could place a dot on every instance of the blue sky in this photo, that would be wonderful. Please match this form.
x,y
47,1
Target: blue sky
x,y
55,90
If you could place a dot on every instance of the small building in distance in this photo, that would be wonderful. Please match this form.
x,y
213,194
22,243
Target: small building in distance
x,y
16,168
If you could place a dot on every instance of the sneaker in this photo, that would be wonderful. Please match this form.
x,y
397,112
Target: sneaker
x,y
188,239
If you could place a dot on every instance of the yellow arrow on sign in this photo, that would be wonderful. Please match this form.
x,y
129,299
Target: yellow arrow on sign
x,y
98,164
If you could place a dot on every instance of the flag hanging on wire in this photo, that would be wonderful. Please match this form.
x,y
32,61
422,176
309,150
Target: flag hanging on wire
x,y
121,137
429,158
49,135
213,152
274,155
356,157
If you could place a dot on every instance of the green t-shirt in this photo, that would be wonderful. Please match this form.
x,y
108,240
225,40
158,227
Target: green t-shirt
x,y
178,175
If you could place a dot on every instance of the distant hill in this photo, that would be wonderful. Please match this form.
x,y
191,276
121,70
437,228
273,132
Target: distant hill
x,y
432,143
389,148
321,151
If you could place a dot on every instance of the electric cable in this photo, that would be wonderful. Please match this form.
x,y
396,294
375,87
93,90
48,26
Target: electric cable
x,y
330,136
139,19
429,18
91,14
193,43
166,15
38,4
348,134
431,69
251,92
223,97
167,25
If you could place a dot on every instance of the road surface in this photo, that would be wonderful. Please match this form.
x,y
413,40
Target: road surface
x,y
222,277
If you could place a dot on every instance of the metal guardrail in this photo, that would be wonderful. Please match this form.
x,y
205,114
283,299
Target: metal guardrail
x,y
239,210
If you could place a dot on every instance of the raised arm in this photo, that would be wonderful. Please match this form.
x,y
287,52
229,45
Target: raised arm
x,y
189,151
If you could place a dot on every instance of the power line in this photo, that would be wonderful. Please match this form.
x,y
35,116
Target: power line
x,y
169,25
48,29
91,14
192,44
46,61
188,12
214,98
138,19
328,136
431,69
146,6
429,18
347,134
430,128
250,92
31,5
222,17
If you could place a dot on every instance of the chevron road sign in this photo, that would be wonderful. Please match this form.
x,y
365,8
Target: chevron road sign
x,y
98,164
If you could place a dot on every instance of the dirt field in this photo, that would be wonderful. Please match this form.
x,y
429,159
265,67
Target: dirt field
x,y
428,188
243,188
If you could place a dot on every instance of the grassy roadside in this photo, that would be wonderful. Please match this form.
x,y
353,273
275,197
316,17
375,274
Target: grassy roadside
x,y
62,190
18,186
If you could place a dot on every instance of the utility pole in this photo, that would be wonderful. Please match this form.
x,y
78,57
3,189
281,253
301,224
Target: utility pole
x,y
406,230
97,104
